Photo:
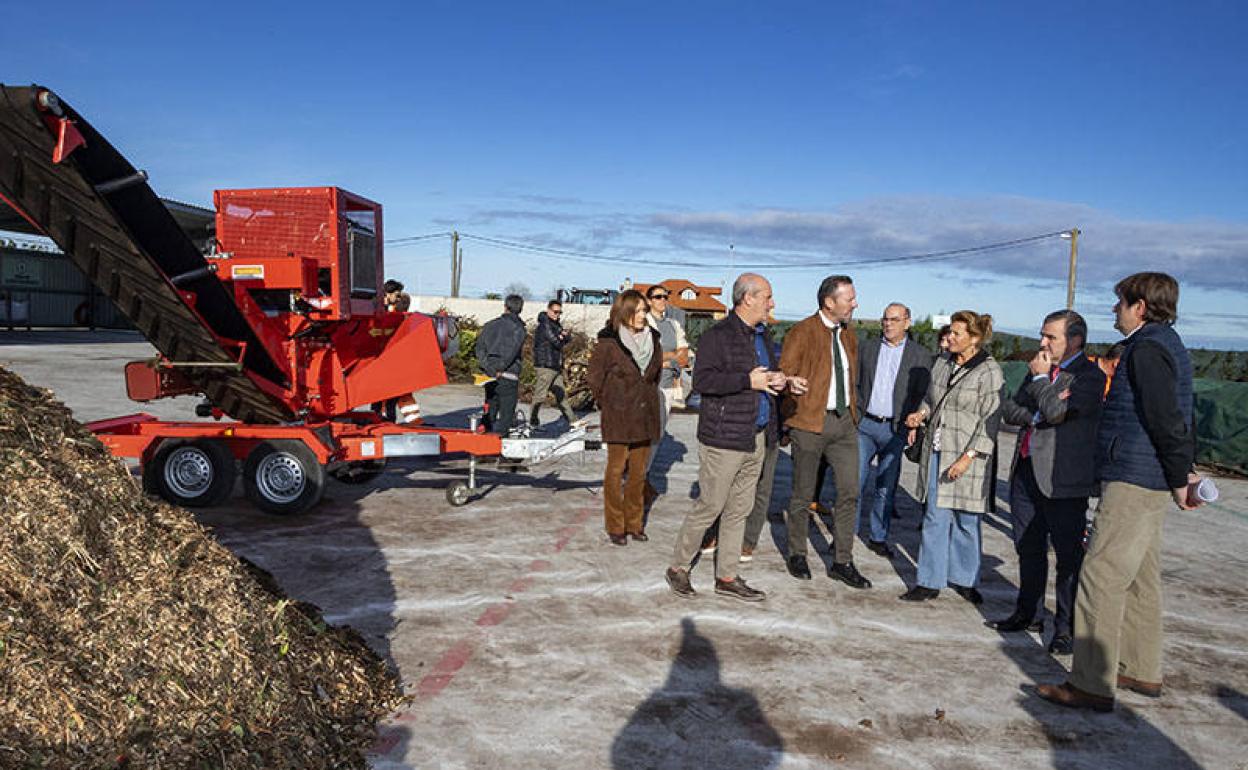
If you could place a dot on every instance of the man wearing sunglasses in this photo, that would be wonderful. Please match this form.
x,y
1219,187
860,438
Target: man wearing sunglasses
x,y
549,339
675,358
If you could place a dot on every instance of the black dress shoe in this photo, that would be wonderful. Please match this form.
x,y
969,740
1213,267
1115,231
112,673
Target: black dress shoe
x,y
1062,644
880,548
618,539
972,595
919,594
1015,622
848,574
798,567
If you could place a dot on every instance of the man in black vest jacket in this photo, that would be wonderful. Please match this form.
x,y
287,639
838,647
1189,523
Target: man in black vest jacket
x,y
498,350
1057,407
1145,450
549,339
736,374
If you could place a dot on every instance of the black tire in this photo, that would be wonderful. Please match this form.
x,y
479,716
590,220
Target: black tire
x,y
458,493
283,477
360,472
192,474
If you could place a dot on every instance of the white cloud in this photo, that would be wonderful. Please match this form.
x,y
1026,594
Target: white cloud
x,y
1209,254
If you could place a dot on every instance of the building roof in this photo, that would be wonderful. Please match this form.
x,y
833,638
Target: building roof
x,y
687,295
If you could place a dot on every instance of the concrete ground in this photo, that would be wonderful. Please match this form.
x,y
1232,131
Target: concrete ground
x,y
528,641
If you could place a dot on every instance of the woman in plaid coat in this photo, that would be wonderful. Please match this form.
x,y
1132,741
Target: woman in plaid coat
x,y
962,413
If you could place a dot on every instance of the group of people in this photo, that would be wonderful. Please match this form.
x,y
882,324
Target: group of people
x,y
1120,428
634,375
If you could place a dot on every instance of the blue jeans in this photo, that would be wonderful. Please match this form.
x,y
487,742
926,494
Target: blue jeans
x,y
878,440
950,550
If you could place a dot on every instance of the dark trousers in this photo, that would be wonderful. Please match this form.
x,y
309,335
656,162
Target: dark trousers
x,y
502,395
838,444
1037,521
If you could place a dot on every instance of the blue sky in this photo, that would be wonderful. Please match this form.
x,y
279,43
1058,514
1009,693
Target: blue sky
x,y
809,135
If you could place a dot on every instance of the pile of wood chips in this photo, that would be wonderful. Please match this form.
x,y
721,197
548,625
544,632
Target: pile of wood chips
x,y
130,638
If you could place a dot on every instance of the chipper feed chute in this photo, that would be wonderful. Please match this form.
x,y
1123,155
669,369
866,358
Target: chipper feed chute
x,y
69,183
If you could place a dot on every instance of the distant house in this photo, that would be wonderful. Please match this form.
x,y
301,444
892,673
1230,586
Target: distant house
x,y
696,301
695,307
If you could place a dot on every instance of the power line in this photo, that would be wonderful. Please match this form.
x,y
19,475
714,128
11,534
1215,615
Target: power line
x,y
816,263
578,255
416,238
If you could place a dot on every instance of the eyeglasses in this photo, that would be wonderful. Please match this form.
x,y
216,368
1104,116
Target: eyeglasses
x,y
660,296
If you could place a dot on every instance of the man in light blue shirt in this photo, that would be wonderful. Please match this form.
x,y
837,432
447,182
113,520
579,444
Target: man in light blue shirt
x,y
893,375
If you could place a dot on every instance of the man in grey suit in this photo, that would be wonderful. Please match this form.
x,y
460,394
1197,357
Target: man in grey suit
x,y
1058,407
893,374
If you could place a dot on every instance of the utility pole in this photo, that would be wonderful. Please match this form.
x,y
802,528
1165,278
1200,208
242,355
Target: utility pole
x,y
1073,234
454,263
459,270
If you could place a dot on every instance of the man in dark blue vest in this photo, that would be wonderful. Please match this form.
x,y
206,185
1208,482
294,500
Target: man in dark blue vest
x,y
1145,450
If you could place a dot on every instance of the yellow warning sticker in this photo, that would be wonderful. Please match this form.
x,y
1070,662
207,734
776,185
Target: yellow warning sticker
x,y
246,272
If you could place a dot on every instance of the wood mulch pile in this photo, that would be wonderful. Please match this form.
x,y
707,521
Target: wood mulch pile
x,y
130,638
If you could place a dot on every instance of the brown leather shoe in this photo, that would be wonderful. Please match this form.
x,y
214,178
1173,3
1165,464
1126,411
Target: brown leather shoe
x,y
1147,689
1066,694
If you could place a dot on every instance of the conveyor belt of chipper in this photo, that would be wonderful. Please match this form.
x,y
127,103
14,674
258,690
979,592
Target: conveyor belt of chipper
x,y
125,242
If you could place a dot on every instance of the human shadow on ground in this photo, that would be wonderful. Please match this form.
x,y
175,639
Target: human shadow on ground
x,y
1233,699
1076,739
671,451
695,720
328,557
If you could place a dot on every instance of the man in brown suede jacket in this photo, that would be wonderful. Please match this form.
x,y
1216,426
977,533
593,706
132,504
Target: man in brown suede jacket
x,y
823,349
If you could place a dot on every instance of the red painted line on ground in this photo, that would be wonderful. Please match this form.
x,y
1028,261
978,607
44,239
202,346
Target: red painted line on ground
x,y
494,614
567,533
520,585
453,660
444,670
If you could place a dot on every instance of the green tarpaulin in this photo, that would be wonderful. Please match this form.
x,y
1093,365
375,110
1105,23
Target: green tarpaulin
x,y
1221,418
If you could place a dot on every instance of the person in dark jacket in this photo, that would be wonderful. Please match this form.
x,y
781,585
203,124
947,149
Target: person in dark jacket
x,y
624,378
735,373
1146,445
1058,407
894,372
499,346
548,340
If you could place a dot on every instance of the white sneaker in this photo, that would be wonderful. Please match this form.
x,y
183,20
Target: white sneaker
x,y
747,555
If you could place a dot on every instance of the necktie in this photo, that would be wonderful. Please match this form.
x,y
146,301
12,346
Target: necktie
x,y
837,367
1025,449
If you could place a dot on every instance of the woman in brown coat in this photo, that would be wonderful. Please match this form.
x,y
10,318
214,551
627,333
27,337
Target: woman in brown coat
x,y
624,378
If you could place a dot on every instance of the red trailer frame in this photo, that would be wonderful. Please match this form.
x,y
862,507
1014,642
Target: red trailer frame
x,y
281,327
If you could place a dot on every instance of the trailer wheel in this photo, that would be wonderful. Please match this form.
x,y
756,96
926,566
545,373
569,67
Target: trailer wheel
x,y
192,474
360,472
283,477
458,493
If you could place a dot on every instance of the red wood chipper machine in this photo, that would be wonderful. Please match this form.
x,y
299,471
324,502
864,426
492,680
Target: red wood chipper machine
x,y
280,326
